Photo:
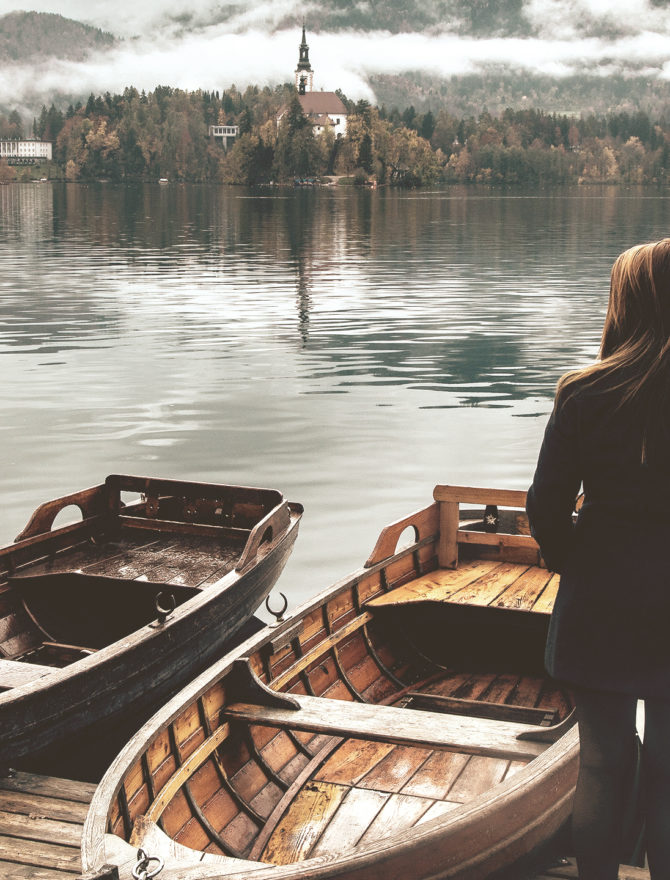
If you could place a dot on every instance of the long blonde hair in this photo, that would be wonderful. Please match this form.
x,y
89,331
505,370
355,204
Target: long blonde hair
x,y
634,358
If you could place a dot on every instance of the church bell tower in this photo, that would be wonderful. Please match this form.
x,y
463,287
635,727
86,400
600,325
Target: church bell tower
x,y
304,75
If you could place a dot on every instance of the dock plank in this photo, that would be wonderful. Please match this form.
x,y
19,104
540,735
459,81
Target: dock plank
x,y
13,871
40,854
38,828
48,786
41,821
54,808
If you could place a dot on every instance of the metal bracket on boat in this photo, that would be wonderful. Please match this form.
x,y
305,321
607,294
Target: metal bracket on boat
x,y
549,734
163,613
278,615
141,870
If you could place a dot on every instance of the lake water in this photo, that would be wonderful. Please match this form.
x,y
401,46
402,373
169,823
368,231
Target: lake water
x,y
349,348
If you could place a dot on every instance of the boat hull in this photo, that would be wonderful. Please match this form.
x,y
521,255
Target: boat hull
x,y
131,677
274,763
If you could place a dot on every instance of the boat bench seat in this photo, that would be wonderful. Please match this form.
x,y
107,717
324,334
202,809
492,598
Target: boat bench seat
x,y
14,673
473,736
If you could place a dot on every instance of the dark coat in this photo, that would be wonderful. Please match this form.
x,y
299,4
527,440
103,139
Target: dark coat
x,y
610,628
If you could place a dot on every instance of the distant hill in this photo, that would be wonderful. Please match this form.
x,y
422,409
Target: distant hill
x,y
31,36
478,18
468,95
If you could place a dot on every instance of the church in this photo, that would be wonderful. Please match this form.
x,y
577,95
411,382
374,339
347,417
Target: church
x,y
322,109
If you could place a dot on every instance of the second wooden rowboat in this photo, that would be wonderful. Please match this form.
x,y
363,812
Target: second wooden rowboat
x,y
109,616
400,725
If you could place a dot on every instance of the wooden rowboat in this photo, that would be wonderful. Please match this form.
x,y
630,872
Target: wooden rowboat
x,y
400,725
115,612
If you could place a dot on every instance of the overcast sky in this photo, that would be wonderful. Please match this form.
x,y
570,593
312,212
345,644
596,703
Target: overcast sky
x,y
246,48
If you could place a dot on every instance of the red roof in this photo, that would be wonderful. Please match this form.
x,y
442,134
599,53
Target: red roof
x,y
318,103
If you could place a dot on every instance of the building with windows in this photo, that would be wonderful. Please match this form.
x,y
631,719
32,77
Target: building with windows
x,y
25,152
323,109
226,133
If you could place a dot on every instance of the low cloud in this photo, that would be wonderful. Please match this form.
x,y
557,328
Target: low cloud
x,y
218,45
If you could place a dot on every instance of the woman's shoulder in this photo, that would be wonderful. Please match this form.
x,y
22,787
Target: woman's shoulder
x,y
591,389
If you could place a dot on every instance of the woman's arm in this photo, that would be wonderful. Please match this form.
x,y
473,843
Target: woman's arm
x,y
551,498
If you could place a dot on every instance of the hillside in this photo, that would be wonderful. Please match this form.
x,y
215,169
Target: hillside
x,y
469,94
35,36
477,18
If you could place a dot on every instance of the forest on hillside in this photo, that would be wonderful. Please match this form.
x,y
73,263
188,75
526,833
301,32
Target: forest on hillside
x,y
33,36
164,134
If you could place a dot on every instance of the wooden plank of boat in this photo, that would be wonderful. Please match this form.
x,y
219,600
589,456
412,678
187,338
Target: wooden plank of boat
x,y
381,738
14,674
86,634
472,736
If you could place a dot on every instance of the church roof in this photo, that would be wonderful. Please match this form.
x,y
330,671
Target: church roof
x,y
322,119
318,103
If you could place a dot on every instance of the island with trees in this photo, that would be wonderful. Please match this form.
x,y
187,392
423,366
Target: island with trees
x,y
165,134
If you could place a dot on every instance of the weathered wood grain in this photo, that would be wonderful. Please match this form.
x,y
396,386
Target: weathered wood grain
x,y
437,586
434,779
356,813
39,854
393,772
400,812
352,761
295,835
55,808
524,592
479,495
479,775
545,602
12,871
487,588
387,724
13,673
32,827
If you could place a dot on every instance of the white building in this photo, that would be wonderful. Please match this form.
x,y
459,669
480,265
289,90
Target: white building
x,y
323,109
225,132
25,150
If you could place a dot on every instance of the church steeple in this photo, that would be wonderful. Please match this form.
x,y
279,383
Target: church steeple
x,y
304,75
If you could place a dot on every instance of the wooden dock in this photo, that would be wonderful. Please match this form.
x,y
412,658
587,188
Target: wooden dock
x,y
41,820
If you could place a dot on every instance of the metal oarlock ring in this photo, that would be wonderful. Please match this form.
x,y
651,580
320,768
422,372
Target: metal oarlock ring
x,y
141,870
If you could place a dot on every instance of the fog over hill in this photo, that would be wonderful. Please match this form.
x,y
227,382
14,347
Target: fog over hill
x,y
560,55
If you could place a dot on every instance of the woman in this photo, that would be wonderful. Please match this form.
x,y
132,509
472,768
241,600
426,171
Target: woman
x,y
609,636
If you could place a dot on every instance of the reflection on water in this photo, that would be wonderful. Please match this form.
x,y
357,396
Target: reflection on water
x,y
351,348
